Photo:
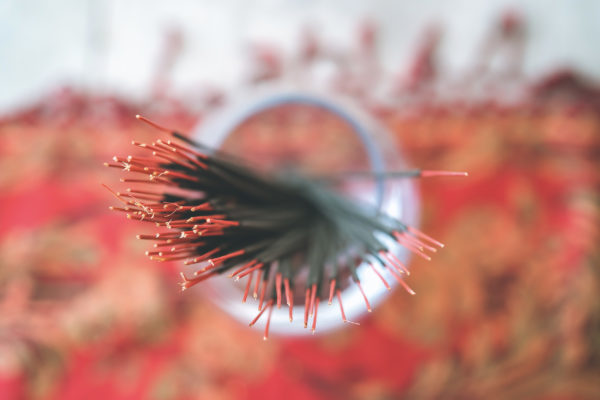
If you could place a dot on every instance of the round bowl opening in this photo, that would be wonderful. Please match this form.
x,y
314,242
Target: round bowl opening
x,y
318,136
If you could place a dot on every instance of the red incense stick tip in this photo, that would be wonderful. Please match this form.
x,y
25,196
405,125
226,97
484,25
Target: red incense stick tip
x,y
270,307
396,262
256,284
259,314
247,290
427,173
364,296
153,124
278,289
419,243
286,283
262,296
339,297
306,303
314,325
421,235
406,287
387,286
331,289
312,299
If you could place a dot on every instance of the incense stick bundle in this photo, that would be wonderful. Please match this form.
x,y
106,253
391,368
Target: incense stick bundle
x,y
291,236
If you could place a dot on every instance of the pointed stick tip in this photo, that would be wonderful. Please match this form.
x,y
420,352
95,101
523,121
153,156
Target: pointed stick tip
x,y
430,173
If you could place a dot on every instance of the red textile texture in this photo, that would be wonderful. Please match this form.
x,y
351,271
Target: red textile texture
x,y
509,309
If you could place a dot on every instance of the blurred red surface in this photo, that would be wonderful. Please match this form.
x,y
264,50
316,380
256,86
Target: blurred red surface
x,y
509,309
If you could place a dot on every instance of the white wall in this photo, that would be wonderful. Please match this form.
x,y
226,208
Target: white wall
x,y
113,45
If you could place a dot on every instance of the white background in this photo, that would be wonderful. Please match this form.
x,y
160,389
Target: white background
x,y
114,45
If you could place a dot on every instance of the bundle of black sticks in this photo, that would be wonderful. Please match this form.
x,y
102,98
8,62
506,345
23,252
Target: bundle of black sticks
x,y
291,236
